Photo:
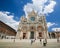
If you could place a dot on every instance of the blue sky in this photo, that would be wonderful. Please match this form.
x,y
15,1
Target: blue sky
x,y
13,6
16,9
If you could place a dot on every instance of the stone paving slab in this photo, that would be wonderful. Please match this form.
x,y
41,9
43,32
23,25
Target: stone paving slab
x,y
52,43
27,45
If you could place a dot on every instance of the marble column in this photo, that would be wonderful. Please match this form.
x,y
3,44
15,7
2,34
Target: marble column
x,y
21,35
28,35
36,35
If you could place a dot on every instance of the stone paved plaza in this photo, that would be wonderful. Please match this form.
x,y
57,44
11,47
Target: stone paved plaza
x,y
24,44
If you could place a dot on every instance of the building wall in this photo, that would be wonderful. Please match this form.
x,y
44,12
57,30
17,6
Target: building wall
x,y
54,34
31,26
6,30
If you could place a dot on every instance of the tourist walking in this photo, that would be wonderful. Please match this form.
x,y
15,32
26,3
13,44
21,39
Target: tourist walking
x,y
44,42
40,40
31,41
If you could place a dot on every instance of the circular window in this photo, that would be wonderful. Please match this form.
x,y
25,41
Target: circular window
x,y
32,18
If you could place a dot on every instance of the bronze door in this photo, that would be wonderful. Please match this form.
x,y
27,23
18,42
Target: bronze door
x,y
32,35
24,35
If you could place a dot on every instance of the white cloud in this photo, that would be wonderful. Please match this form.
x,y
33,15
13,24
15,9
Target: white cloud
x,y
49,24
40,6
49,8
8,19
55,29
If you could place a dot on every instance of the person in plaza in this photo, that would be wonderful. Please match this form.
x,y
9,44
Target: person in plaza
x,y
44,42
40,39
58,39
31,41
34,39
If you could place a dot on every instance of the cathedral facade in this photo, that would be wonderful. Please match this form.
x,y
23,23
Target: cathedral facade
x,y
32,27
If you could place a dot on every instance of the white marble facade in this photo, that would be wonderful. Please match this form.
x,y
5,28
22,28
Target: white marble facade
x,y
32,27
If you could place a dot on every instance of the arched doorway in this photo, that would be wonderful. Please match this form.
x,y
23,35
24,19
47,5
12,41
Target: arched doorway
x,y
24,35
32,35
40,35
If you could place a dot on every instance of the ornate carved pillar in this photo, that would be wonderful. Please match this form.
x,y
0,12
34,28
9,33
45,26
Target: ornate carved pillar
x,y
21,35
28,35
36,34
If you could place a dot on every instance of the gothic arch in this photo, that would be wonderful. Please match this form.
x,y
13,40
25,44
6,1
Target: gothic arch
x,y
40,28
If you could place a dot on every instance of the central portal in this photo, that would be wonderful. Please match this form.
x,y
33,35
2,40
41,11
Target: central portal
x,y
24,35
32,35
